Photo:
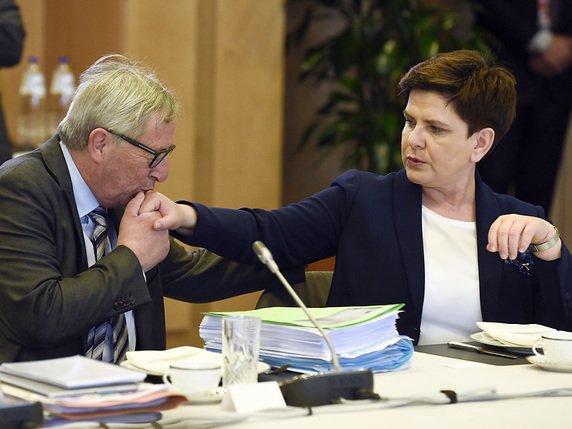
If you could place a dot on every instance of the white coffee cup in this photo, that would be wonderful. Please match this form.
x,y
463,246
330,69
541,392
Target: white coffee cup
x,y
193,378
556,347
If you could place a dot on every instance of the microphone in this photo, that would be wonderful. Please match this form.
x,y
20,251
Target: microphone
x,y
309,390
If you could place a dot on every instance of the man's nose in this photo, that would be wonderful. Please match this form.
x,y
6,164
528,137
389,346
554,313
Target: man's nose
x,y
161,171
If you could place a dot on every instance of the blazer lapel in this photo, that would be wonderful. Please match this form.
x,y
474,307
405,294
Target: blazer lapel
x,y
407,215
490,270
56,165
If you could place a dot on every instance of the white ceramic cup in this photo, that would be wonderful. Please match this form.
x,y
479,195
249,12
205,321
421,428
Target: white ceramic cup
x,y
240,347
556,347
193,377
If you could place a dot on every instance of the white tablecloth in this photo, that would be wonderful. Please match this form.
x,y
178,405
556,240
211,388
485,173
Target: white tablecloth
x,y
427,375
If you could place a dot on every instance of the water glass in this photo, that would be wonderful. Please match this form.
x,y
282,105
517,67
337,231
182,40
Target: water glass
x,y
240,346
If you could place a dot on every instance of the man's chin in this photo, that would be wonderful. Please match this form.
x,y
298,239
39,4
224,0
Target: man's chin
x,y
124,201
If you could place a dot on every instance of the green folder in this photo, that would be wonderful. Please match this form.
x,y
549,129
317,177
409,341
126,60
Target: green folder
x,y
327,317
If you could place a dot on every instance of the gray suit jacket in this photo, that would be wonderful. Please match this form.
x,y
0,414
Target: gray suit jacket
x,y
49,298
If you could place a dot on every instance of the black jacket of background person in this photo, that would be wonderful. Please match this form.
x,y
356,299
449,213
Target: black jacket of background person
x,y
514,23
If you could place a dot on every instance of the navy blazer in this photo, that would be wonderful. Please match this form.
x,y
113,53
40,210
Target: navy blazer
x,y
372,224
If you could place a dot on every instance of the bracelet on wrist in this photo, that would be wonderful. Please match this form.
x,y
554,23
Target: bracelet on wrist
x,y
541,247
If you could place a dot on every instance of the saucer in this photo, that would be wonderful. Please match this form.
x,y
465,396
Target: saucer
x,y
483,338
156,362
548,365
211,397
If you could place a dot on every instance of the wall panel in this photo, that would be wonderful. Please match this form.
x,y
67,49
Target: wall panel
x,y
224,58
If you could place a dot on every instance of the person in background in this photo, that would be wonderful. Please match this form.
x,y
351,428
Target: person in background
x,y
82,271
433,236
12,35
533,39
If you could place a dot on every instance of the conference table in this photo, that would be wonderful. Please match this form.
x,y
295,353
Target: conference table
x,y
501,390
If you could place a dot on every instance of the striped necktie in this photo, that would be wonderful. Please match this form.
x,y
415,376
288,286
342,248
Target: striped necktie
x,y
116,326
99,235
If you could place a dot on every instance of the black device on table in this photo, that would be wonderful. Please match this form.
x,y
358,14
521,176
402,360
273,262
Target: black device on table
x,y
477,356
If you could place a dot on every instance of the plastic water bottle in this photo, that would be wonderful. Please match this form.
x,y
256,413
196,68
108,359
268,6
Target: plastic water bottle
x,y
62,88
32,117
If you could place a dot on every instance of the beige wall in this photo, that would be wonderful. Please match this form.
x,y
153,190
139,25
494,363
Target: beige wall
x,y
224,60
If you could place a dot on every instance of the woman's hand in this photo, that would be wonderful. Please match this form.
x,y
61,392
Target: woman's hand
x,y
513,233
180,217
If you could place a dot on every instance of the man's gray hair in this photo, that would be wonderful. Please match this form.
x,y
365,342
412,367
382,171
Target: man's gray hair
x,y
118,94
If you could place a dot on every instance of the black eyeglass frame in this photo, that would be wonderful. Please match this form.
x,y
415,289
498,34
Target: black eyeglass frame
x,y
158,155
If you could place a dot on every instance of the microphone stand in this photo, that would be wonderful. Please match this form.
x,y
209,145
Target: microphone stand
x,y
323,388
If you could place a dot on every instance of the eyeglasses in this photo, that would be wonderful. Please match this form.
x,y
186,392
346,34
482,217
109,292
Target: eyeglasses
x,y
158,155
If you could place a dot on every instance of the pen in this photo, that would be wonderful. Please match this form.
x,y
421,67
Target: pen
x,y
478,349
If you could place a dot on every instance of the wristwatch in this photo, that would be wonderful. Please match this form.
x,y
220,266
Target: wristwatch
x,y
536,248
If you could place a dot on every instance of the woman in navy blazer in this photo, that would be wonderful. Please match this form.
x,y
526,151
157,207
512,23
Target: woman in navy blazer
x,y
433,235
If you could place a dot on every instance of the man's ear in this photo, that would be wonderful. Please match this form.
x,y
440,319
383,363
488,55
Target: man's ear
x,y
484,140
97,144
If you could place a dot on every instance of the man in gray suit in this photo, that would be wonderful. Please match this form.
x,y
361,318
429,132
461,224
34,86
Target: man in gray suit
x,y
55,290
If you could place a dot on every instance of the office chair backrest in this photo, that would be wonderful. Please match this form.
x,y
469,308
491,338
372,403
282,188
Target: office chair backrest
x,y
313,292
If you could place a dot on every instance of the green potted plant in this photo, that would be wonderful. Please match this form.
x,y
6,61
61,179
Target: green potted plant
x,y
377,42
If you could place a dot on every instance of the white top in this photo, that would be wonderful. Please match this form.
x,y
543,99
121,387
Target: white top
x,y
451,306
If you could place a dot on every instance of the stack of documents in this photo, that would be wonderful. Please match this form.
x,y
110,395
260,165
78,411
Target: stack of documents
x,y
364,337
67,376
79,388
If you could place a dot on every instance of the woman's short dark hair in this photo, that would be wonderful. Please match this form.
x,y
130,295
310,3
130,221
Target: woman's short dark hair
x,y
481,93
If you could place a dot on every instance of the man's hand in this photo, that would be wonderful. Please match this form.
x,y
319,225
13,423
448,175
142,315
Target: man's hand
x,y
513,233
137,233
173,216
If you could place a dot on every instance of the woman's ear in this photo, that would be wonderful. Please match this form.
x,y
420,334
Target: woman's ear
x,y
97,143
484,140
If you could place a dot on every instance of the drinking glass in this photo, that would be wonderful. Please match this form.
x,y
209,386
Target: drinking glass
x,y
240,346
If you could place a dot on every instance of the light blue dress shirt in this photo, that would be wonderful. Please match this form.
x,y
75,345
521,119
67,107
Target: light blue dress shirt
x,y
86,203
